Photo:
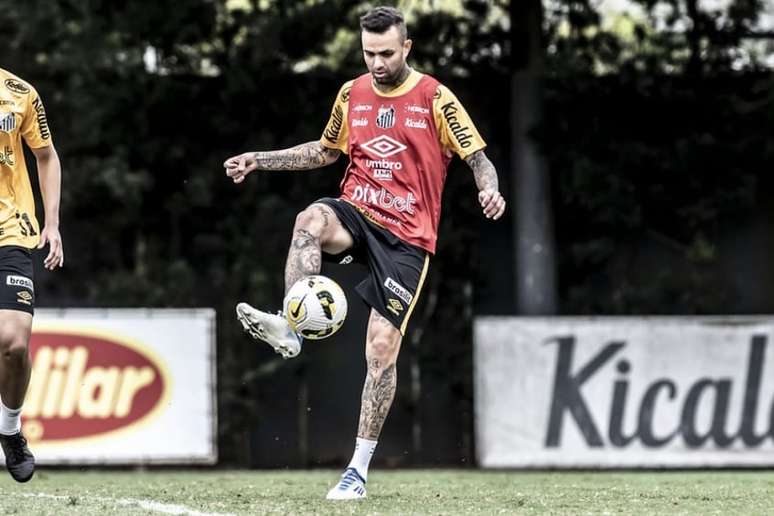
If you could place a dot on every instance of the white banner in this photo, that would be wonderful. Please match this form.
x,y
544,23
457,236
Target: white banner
x,y
622,392
122,386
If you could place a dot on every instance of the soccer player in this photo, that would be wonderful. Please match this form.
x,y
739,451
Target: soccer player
x,y
22,116
400,129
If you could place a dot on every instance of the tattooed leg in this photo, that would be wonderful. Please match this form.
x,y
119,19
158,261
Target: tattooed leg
x,y
382,348
316,228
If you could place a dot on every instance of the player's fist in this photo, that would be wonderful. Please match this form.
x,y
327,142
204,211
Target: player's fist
x,y
237,167
492,203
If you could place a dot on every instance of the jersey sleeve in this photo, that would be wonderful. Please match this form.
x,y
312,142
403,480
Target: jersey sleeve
x,y
455,128
34,128
336,133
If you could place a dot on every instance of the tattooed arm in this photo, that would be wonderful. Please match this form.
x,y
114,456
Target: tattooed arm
x,y
301,157
489,195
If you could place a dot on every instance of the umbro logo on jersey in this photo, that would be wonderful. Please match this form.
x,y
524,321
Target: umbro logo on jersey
x,y
383,146
385,117
7,122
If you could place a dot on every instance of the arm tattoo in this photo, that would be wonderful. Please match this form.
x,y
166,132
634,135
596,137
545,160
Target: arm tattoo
x,y
483,170
378,393
301,157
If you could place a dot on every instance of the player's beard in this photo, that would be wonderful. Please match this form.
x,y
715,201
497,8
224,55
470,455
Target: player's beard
x,y
393,79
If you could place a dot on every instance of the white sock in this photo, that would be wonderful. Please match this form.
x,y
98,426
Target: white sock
x,y
10,420
364,450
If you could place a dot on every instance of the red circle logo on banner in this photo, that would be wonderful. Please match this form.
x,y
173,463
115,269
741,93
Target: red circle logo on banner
x,y
87,384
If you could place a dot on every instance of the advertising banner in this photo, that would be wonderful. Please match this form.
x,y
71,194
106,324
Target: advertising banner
x,y
115,386
624,392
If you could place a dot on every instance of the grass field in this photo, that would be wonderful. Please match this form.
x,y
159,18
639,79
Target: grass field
x,y
390,492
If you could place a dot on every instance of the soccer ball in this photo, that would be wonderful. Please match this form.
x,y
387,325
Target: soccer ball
x,y
315,307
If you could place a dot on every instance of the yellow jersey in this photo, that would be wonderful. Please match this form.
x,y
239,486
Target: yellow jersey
x,y
22,116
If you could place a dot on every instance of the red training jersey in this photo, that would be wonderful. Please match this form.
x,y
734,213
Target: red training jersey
x,y
400,145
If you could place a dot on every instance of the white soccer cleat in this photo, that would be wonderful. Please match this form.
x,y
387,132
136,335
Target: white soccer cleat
x,y
351,486
270,328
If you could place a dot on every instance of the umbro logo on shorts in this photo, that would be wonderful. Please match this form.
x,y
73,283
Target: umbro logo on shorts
x,y
24,297
395,307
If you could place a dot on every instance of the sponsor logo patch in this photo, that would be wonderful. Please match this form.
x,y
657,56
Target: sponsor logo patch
x,y
359,122
24,297
345,94
462,134
383,146
383,168
418,109
6,157
397,289
16,86
363,107
416,124
346,260
384,199
333,130
41,118
19,281
385,117
7,122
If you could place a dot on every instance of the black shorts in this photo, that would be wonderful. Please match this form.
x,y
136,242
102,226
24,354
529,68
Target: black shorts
x,y
398,269
17,291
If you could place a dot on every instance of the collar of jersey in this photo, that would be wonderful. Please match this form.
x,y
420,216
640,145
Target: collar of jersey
x,y
411,81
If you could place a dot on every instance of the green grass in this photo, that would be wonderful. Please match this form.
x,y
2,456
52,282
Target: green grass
x,y
392,492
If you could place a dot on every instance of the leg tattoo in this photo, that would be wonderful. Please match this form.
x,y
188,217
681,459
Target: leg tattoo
x,y
323,213
303,258
378,393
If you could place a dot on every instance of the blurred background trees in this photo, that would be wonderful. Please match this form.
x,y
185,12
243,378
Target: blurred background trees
x,y
647,144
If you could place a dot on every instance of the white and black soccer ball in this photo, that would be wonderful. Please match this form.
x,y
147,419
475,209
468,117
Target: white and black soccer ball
x,y
315,307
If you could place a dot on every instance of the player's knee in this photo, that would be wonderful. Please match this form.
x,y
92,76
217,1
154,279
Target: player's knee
x,y
14,347
382,351
311,221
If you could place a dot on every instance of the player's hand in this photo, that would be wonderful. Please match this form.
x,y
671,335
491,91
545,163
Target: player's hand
x,y
50,235
237,167
492,203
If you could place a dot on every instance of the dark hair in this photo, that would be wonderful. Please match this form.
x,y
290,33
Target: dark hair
x,y
380,19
